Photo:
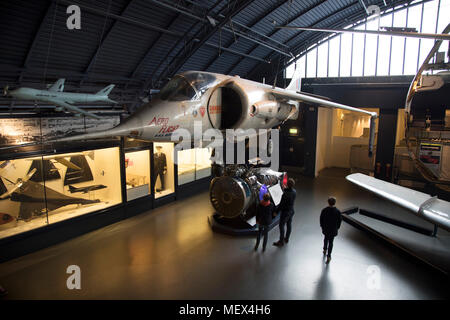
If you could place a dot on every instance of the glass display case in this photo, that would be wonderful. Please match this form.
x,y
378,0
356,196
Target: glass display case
x,y
186,166
202,163
36,191
193,164
137,168
163,166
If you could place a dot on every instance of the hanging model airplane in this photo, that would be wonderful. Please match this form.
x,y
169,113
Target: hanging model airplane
x,y
219,102
430,208
64,101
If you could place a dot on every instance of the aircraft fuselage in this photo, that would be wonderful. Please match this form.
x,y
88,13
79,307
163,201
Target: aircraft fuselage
x,y
50,96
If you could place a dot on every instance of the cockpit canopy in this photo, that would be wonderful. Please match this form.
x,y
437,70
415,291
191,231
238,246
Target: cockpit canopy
x,y
188,86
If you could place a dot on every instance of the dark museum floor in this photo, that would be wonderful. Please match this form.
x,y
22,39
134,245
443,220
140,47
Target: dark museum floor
x,y
171,253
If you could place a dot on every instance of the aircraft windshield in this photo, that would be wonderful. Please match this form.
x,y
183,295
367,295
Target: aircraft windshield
x,y
188,86
178,89
201,81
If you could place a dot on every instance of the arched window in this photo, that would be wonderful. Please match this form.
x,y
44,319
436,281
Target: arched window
x,y
345,55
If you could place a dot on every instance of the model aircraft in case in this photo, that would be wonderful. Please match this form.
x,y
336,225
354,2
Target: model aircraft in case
x,y
34,198
63,100
87,189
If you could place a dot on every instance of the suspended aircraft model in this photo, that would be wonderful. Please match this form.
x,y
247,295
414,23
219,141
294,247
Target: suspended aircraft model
x,y
63,100
219,102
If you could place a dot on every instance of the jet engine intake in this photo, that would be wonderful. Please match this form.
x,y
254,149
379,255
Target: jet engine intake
x,y
272,110
230,196
226,106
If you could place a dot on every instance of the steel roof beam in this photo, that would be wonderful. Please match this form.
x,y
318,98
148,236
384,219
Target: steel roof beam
x,y
209,44
123,19
352,17
225,28
319,21
51,7
297,16
182,60
102,42
150,78
37,72
266,13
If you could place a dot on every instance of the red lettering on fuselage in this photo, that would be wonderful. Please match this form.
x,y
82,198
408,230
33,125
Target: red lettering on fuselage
x,y
159,121
168,129
215,109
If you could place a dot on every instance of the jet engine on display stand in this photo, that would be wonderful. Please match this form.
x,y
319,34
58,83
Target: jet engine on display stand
x,y
236,193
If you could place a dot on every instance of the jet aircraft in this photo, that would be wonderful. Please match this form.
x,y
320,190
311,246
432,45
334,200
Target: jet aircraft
x,y
63,100
219,102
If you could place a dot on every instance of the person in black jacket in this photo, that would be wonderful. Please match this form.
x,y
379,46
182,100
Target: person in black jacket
x,y
330,222
263,219
286,207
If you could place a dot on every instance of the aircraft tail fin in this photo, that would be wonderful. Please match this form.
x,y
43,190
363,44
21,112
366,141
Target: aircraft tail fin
x,y
106,91
296,81
58,86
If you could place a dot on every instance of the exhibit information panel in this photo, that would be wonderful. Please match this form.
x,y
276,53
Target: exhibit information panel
x,y
37,191
137,168
163,166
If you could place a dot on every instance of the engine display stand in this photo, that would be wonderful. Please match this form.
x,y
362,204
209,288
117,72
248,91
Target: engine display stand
x,y
237,226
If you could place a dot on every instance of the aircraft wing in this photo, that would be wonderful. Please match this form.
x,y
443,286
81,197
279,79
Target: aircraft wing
x,y
74,109
423,205
321,102
314,100
67,163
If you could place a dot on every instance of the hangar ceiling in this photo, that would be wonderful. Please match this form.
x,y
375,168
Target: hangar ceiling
x,y
140,44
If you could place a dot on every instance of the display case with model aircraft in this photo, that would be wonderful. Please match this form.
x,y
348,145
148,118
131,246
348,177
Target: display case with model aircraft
x,y
40,190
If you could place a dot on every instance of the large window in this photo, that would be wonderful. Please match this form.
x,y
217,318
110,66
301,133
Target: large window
x,y
347,54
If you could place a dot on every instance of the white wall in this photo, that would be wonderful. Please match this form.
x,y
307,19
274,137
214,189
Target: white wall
x,y
323,143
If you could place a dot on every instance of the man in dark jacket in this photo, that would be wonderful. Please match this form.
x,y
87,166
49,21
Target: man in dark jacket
x,y
330,222
286,207
264,219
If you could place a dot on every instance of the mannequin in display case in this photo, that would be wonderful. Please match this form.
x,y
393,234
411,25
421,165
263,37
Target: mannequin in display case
x,y
160,167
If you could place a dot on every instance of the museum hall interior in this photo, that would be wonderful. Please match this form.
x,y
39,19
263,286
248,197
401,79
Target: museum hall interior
x,y
224,150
